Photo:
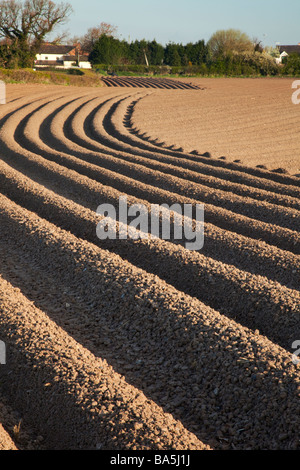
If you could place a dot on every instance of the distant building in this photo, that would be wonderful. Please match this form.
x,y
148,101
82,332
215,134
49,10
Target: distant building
x,y
285,51
61,56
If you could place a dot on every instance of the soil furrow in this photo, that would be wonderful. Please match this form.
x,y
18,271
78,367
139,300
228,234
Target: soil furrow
x,y
182,162
260,210
90,139
265,304
128,342
217,377
219,216
76,400
247,254
147,83
73,121
191,162
121,122
270,176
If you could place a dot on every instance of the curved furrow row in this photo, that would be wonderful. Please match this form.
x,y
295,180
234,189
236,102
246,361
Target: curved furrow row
x,y
109,336
26,134
219,379
253,256
147,83
140,83
231,201
184,161
122,82
74,399
247,173
247,254
263,211
119,126
231,171
93,139
267,306
218,163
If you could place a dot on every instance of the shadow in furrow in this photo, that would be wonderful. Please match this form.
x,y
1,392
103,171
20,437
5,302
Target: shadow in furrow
x,y
155,195
153,348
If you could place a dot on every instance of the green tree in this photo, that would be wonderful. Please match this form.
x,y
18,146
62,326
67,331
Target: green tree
x,y
196,53
108,50
292,65
229,41
155,53
172,56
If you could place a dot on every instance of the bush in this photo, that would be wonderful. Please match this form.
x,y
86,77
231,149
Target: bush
x,y
48,77
246,64
75,72
292,65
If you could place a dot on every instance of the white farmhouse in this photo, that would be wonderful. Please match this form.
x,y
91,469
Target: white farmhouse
x,y
285,51
61,56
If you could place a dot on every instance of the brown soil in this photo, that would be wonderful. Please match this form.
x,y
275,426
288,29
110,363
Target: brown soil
x,y
141,344
6,443
251,120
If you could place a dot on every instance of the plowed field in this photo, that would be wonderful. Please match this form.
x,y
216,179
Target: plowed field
x,y
141,343
253,121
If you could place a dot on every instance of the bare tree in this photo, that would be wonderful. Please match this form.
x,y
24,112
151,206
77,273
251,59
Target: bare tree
x,y
258,45
63,37
26,24
93,34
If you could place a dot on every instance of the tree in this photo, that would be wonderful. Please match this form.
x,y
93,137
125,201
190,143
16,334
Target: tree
x,y
196,52
108,50
226,42
258,46
93,34
155,52
25,26
172,55
292,64
137,50
273,51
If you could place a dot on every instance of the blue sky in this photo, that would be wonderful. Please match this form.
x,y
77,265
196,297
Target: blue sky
x,y
185,21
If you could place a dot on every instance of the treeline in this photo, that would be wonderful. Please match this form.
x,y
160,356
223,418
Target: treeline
x,y
110,50
239,56
25,25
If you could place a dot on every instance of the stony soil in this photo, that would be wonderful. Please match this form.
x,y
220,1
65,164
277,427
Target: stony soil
x,y
6,443
140,344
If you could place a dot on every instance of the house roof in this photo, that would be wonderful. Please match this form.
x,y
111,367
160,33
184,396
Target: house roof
x,y
289,49
55,49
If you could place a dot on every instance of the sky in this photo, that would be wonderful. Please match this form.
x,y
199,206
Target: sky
x,y
183,21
